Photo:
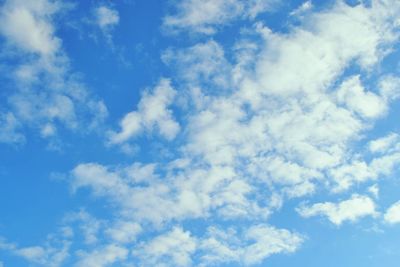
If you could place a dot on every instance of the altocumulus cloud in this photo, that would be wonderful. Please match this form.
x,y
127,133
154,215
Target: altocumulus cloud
x,y
271,121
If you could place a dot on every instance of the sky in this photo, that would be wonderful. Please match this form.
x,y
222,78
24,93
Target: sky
x,y
199,133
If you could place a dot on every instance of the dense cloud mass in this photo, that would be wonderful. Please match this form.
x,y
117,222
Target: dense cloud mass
x,y
275,120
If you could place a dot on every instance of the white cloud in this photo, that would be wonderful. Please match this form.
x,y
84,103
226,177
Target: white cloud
x,y
285,127
206,16
88,225
351,210
8,129
52,254
106,17
104,256
153,115
124,231
385,144
27,25
303,8
173,248
267,241
202,64
374,190
253,246
354,96
46,92
392,215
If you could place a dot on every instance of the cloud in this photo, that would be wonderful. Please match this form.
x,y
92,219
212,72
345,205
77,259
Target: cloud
x,y
52,254
88,225
124,231
28,27
252,247
104,256
201,64
283,128
206,16
173,248
392,215
9,129
106,17
153,115
366,104
268,241
45,92
302,9
276,117
385,144
351,210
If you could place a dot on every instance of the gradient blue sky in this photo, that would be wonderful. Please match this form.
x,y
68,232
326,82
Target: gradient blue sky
x,y
199,133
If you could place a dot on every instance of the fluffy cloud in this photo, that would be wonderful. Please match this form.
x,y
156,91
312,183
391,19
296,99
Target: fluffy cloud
x,y
104,256
106,17
153,115
27,26
385,144
124,231
8,129
392,215
45,92
206,16
256,243
276,120
173,248
200,65
352,209
52,254
283,128
353,95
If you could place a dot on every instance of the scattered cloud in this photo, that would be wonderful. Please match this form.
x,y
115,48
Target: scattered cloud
x,y
106,18
392,215
47,93
153,115
206,17
173,248
351,210
277,116
104,256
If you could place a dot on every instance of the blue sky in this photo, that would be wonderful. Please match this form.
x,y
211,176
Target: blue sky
x,y
199,133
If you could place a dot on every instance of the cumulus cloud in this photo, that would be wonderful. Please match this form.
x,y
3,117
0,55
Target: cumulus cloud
x,y
392,215
52,254
106,17
353,95
124,231
351,210
173,248
284,128
105,256
206,16
278,120
385,144
201,64
9,129
251,247
46,93
153,115
27,26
